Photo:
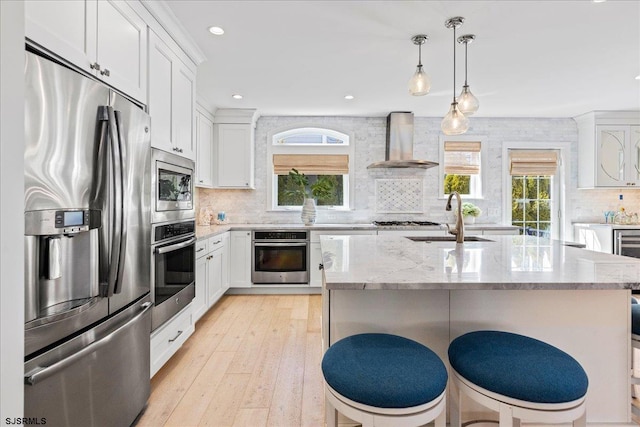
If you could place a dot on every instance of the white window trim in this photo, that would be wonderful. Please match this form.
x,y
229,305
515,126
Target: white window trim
x,y
483,165
561,182
311,131
272,148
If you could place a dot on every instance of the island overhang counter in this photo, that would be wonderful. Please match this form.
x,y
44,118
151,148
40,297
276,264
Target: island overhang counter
x,y
433,292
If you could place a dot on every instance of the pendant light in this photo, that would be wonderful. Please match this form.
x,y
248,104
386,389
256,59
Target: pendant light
x,y
420,83
467,102
454,123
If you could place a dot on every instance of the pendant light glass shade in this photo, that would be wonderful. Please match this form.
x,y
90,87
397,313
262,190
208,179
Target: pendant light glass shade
x,y
420,83
454,123
467,102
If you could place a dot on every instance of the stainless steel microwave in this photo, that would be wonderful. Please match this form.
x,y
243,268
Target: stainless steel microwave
x,y
172,192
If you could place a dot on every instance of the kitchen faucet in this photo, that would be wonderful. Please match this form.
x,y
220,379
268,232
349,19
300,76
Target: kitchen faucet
x,y
459,230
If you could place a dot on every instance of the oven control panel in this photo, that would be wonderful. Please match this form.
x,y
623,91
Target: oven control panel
x,y
280,235
176,229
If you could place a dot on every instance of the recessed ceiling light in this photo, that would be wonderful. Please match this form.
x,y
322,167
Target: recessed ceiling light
x,y
598,1
638,77
236,96
348,97
217,31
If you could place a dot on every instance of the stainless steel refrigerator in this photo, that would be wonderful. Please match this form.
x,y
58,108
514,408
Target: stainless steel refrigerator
x,y
87,250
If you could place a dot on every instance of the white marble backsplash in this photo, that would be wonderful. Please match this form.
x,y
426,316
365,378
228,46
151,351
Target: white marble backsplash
x,y
251,206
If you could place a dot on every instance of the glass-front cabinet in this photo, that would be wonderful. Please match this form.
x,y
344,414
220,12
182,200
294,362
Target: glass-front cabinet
x,y
617,156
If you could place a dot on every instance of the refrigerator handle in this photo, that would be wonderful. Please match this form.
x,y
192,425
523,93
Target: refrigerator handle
x,y
124,208
116,237
42,373
98,194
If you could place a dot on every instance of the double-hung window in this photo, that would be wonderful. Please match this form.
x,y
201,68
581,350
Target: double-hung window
x,y
461,167
533,188
324,156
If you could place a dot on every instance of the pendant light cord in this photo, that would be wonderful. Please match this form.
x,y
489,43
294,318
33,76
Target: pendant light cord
x,y
465,63
454,63
420,55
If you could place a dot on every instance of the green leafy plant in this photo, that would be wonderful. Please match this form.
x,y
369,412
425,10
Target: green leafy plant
x,y
470,209
323,188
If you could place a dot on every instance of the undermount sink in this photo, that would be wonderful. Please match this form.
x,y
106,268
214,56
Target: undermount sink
x,y
429,239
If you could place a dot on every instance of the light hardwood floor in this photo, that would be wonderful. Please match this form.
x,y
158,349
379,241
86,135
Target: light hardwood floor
x,y
253,360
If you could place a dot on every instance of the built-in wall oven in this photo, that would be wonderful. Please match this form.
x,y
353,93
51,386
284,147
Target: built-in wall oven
x,y
626,242
280,257
172,269
172,192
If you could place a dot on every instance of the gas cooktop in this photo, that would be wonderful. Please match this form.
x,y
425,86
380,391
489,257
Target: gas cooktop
x,y
403,223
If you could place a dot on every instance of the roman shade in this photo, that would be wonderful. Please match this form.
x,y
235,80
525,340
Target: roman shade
x,y
311,164
462,157
533,162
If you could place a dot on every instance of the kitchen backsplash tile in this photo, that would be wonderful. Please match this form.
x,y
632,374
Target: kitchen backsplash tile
x,y
250,206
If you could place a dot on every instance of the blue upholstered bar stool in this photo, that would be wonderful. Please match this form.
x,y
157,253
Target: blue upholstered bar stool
x,y
518,376
384,380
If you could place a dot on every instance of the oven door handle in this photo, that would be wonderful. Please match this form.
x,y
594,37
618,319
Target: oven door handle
x,y
171,248
279,244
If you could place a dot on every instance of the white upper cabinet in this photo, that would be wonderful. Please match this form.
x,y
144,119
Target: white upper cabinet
x,y
234,148
609,149
171,100
235,155
184,98
103,37
617,156
204,148
161,64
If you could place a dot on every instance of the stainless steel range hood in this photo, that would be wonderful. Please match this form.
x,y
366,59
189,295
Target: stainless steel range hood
x,y
399,153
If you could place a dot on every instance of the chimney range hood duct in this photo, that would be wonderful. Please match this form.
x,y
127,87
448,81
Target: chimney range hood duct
x,y
399,153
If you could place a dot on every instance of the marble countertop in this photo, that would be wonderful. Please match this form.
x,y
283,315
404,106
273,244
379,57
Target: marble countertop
x,y
504,263
206,231
613,226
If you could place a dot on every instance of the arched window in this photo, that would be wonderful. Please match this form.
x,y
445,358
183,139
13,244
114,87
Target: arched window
x,y
310,162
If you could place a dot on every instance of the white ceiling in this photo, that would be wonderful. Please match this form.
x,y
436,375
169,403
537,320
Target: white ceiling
x,y
530,58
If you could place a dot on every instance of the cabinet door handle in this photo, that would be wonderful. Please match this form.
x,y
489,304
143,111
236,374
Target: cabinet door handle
x,y
105,72
215,243
95,66
176,337
200,250
201,180
181,150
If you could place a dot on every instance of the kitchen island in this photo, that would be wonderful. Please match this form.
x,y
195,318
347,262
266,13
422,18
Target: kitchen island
x,y
433,292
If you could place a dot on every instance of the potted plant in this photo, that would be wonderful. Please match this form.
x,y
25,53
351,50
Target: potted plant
x,y
323,188
470,212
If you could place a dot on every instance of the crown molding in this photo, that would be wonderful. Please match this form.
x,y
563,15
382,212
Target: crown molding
x,y
165,17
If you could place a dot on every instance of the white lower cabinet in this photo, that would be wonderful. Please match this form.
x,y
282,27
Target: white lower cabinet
x,y
199,302
596,237
240,259
212,273
315,253
168,338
